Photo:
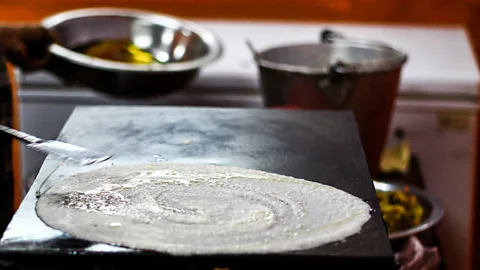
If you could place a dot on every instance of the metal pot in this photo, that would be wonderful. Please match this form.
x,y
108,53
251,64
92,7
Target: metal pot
x,y
181,48
338,73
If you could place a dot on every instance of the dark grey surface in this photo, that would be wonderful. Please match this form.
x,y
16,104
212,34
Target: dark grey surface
x,y
319,146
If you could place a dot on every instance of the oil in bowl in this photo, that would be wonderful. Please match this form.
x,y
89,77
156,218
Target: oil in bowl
x,y
117,50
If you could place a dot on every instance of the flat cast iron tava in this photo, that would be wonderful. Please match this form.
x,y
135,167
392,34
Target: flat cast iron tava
x,y
322,146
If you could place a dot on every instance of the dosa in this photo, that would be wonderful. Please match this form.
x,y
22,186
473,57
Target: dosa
x,y
189,209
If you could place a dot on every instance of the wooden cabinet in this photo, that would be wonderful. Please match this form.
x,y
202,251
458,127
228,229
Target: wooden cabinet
x,y
395,11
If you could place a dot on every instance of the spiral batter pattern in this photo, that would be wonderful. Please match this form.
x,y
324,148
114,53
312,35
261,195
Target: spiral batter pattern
x,y
201,209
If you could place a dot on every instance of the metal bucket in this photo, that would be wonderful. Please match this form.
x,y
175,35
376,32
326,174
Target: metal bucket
x,y
337,74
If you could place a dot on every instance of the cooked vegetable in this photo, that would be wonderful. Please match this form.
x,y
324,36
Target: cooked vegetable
x,y
400,209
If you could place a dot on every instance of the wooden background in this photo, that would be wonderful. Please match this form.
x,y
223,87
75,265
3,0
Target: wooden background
x,y
432,12
392,11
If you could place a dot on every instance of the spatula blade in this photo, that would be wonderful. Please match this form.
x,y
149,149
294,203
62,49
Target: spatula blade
x,y
79,154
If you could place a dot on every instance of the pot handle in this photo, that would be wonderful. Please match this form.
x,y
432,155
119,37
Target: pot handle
x,y
336,86
327,36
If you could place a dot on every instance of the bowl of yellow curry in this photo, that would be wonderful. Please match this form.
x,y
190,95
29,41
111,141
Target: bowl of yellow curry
x,y
407,210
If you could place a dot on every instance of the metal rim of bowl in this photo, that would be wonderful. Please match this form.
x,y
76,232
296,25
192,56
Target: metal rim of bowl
x,y
397,60
207,36
433,219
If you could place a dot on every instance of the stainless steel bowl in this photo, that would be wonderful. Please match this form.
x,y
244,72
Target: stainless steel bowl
x,y
180,46
431,203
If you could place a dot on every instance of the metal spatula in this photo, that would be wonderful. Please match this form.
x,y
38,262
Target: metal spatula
x,y
69,151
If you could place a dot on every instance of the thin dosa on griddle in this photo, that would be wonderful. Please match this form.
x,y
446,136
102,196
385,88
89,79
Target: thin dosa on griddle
x,y
200,209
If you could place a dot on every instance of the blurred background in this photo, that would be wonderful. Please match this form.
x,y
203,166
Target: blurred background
x,y
436,108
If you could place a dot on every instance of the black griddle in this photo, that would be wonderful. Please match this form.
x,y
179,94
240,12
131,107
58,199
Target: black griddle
x,y
321,146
